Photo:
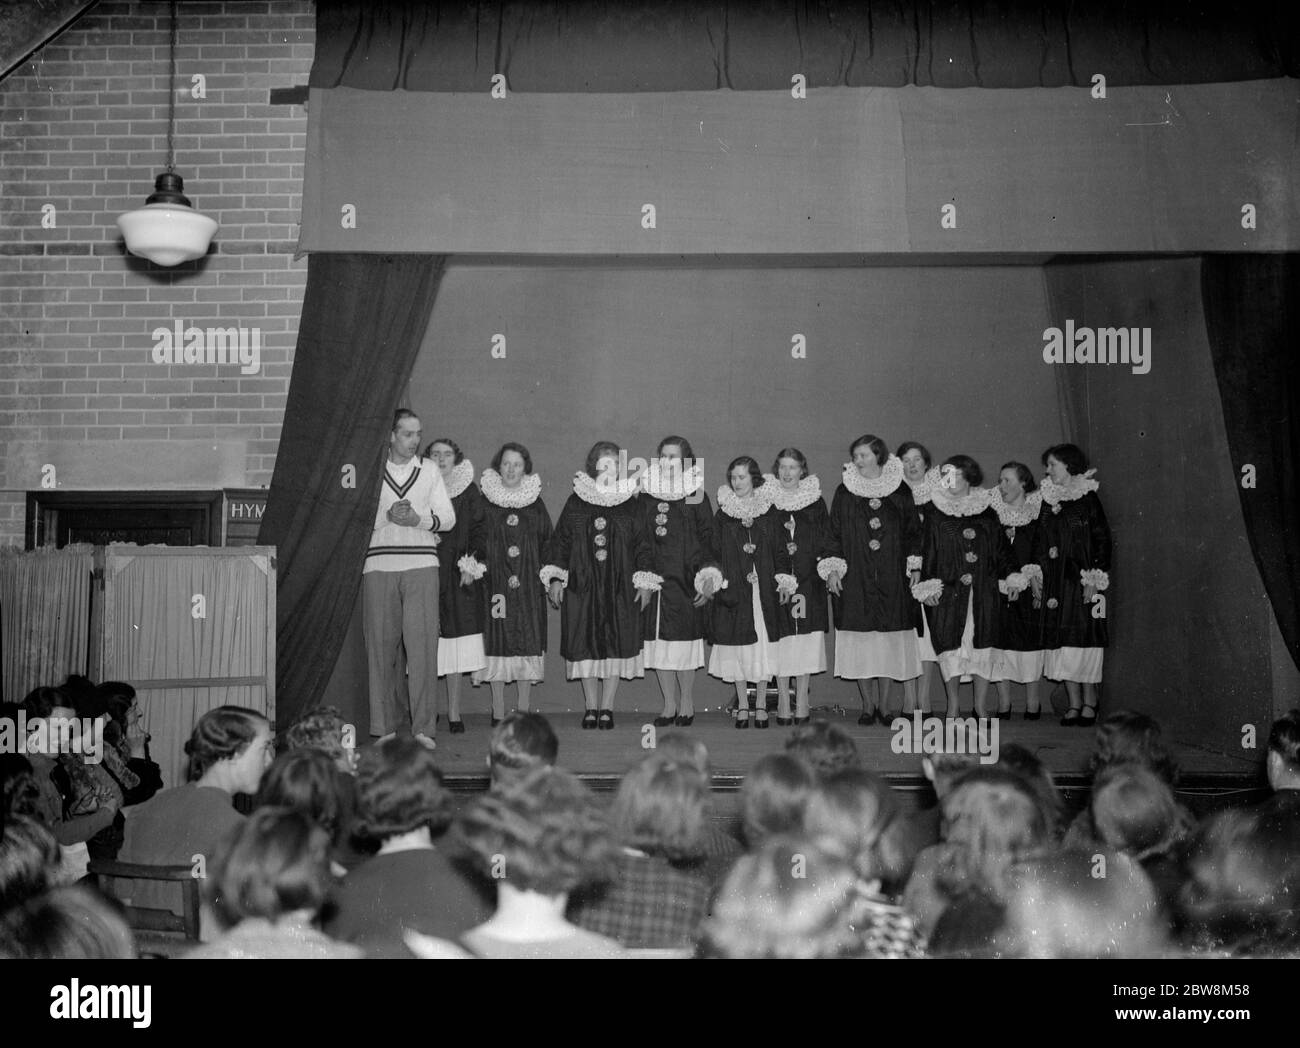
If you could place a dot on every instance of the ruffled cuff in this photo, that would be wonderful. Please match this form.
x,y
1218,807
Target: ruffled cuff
x,y
647,580
1015,583
471,566
710,574
1032,571
832,565
926,589
913,563
1096,578
786,583
552,573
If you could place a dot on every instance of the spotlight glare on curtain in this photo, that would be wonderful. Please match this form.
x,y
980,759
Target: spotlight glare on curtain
x,y
167,230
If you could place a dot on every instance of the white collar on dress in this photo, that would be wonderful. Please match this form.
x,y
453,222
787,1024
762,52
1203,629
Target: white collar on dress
x,y
459,478
750,507
1074,488
891,475
510,498
976,500
1018,516
808,492
586,488
920,490
679,485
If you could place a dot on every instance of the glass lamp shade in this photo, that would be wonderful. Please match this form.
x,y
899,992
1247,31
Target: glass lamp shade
x,y
167,234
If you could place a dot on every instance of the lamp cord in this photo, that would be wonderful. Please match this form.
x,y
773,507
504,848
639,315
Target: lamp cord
x,y
171,96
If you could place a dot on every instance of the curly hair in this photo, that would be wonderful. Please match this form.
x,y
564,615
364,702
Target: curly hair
x,y
599,450
305,781
543,832
1127,737
519,450
221,734
399,789
322,729
878,447
751,466
70,924
662,808
789,900
458,456
790,453
1070,456
912,445
825,747
1134,811
29,860
968,467
1023,474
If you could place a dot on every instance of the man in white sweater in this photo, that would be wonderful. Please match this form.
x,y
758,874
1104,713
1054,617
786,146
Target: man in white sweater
x,y
400,586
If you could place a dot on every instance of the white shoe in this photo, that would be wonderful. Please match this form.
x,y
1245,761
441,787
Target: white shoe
x,y
385,738
426,741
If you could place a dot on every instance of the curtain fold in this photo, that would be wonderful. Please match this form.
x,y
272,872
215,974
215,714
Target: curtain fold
x,y
562,46
363,319
1252,318
45,607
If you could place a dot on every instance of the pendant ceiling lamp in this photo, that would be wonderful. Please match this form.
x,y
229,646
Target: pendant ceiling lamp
x,y
167,230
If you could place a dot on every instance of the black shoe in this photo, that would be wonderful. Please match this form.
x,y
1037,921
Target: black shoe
x,y
867,719
664,722
796,721
456,727
605,722
1004,714
1071,718
684,722
589,720
760,723
496,721
1034,715
784,722
742,719
1087,716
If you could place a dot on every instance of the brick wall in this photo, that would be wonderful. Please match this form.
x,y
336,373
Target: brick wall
x,y
84,122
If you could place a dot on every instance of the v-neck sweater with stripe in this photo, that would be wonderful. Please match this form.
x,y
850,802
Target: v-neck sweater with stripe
x,y
396,547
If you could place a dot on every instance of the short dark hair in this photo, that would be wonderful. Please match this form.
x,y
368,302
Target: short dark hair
x,y
460,455
878,447
661,808
912,445
118,697
755,474
400,414
307,781
69,924
793,453
1284,739
598,451
1023,474
825,747
1128,737
399,789
29,860
773,797
275,862
40,702
522,740
20,793
319,729
970,469
687,451
515,446
1070,456
221,734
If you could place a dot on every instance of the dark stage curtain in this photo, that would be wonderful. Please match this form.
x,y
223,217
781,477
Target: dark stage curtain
x,y
1252,317
702,45
363,319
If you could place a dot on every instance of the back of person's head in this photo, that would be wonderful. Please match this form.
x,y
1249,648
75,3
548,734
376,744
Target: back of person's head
x,y
774,796
399,790
991,820
542,832
789,899
661,808
322,729
944,770
274,863
1242,889
1020,760
41,702
684,748
1127,737
69,924
1134,811
78,690
19,792
306,781
825,747
1284,749
522,741
29,860
847,815
221,734
1083,904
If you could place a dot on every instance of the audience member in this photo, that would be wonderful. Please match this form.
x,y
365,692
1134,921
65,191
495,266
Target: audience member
x,y
1134,812
1283,767
29,861
825,747
67,924
307,781
521,742
773,798
125,731
721,844
325,730
1018,759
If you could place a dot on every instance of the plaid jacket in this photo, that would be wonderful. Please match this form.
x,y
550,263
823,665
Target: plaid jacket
x,y
647,903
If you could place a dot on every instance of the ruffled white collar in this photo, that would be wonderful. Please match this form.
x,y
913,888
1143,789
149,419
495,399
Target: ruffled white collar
x,y
679,485
459,478
808,492
976,500
510,498
586,488
920,490
1074,488
752,506
891,475
1016,516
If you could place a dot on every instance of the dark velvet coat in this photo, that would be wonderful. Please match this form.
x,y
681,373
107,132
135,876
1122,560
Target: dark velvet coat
x,y
1021,624
684,548
1068,542
969,555
460,608
811,537
877,591
514,620
732,621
